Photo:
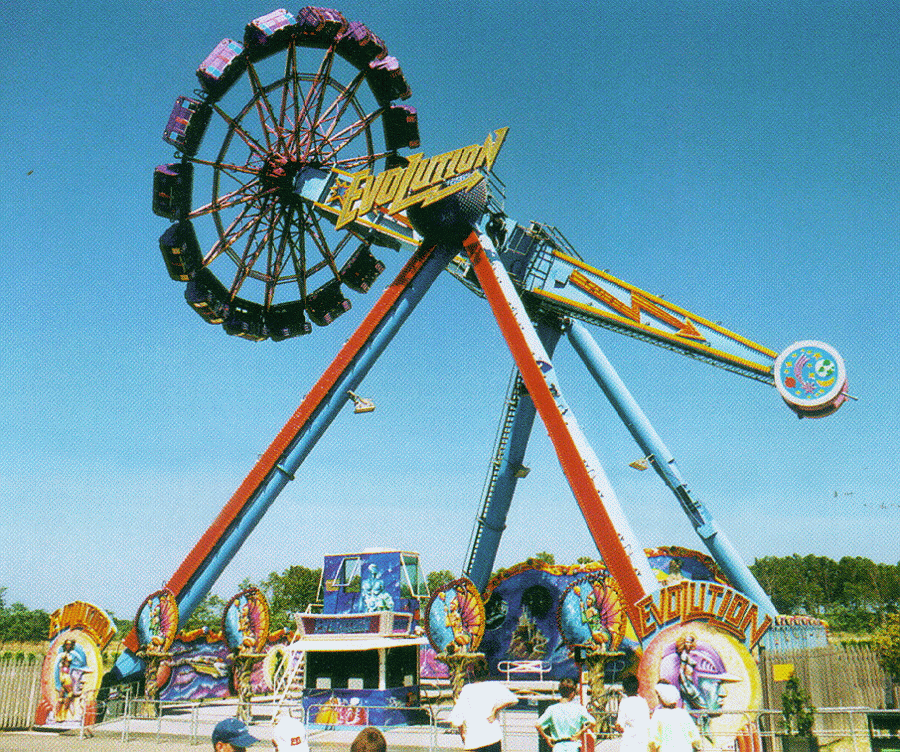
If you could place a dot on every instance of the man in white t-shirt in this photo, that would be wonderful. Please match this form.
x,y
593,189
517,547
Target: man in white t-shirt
x,y
671,728
476,712
289,735
633,718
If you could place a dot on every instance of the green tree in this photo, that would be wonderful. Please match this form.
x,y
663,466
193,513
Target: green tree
x,y
545,557
782,580
20,624
887,643
208,613
289,592
439,578
859,586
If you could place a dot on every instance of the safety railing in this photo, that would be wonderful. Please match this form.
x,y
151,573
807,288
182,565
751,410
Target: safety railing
x,y
429,728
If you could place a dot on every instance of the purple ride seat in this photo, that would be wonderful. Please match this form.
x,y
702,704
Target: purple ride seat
x,y
221,68
359,46
319,27
187,124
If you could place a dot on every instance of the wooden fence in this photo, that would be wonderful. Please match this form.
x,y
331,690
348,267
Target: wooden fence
x,y
834,676
20,688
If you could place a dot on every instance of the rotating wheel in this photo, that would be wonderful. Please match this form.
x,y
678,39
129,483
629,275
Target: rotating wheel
x,y
310,90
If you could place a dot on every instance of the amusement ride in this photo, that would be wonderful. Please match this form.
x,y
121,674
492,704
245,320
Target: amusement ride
x,y
295,167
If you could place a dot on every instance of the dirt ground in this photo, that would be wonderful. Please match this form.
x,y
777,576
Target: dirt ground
x,y
41,741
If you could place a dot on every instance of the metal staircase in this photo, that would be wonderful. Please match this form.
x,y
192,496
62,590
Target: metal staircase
x,y
291,679
514,393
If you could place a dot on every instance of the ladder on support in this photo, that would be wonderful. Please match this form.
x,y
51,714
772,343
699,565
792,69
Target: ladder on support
x,y
514,393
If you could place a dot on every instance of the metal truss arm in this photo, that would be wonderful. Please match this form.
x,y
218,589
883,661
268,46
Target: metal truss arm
x,y
215,549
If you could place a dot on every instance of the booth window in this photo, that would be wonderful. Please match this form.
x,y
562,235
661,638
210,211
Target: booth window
x,y
413,584
348,576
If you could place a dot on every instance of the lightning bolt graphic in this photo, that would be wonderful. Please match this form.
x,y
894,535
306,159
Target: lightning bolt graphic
x,y
683,328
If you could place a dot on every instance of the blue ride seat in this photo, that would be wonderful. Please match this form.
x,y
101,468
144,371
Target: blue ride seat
x,y
187,124
221,68
269,34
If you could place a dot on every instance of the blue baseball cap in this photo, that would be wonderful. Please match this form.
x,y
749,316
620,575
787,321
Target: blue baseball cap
x,y
233,731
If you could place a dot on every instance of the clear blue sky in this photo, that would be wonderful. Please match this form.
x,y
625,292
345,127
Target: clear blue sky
x,y
740,159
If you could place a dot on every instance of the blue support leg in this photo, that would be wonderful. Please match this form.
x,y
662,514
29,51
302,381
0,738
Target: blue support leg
x,y
721,549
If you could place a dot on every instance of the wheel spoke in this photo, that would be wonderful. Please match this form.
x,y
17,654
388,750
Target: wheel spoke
x,y
227,238
263,106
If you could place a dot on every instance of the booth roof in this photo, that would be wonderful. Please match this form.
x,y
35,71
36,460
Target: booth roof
x,y
346,643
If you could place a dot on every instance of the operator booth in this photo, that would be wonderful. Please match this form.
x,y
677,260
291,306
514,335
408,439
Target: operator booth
x,y
358,661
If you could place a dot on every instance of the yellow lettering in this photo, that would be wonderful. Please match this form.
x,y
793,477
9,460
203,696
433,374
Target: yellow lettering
x,y
467,158
408,171
368,194
353,192
451,169
491,148
758,630
418,182
439,163
391,181
422,175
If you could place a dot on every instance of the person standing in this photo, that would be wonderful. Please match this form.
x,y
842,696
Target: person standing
x,y
231,735
562,724
289,735
476,710
370,739
671,728
633,719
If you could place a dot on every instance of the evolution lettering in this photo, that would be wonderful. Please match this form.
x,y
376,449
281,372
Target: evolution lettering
x,y
719,605
421,181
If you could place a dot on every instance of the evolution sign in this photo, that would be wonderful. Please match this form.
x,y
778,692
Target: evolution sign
x,y
422,181
719,605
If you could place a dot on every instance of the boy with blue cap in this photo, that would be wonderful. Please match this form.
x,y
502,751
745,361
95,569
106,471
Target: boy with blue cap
x,y
231,735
